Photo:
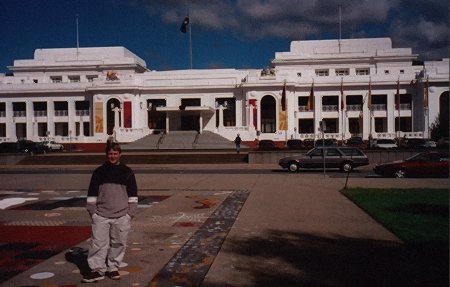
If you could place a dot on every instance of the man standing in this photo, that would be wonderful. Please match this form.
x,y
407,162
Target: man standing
x,y
112,203
238,141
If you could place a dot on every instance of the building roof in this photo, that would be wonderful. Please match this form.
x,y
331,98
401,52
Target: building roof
x,y
101,57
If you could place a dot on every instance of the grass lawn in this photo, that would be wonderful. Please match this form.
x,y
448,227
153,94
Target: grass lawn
x,y
417,216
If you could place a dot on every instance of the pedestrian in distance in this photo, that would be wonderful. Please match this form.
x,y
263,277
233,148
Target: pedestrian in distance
x,y
112,203
238,141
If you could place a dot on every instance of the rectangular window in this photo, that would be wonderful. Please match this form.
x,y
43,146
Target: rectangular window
x,y
91,78
342,72
74,79
322,72
229,111
2,130
190,102
56,79
362,71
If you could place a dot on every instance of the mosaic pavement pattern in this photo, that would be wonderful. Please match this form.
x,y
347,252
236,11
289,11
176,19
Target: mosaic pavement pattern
x,y
25,243
191,263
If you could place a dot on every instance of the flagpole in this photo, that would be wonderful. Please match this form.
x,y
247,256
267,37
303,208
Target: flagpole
x,y
342,109
190,46
78,38
427,109
398,105
340,26
369,103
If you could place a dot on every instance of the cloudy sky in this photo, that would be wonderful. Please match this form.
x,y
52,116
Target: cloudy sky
x,y
237,34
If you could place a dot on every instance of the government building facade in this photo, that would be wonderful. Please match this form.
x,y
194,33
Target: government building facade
x,y
356,87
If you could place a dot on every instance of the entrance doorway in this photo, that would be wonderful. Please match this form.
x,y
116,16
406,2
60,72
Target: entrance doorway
x,y
268,115
190,123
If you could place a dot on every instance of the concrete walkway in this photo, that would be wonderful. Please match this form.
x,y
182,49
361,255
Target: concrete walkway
x,y
291,230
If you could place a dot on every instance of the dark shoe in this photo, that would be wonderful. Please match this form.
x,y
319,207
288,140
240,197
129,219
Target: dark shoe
x,y
113,275
92,277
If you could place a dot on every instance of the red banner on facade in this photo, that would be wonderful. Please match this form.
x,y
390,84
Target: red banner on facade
x,y
127,114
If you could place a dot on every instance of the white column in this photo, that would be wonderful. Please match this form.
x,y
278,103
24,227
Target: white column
x,y
116,118
221,117
366,120
167,122
201,122
51,118
317,114
391,113
35,130
10,123
71,116
250,116
238,115
30,119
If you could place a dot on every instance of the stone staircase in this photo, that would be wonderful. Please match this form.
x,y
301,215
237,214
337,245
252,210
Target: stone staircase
x,y
178,140
182,140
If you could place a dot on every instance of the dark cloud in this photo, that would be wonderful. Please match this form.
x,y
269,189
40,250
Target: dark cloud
x,y
419,24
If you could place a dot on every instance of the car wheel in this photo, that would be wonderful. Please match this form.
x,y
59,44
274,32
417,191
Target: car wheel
x,y
400,173
293,167
347,167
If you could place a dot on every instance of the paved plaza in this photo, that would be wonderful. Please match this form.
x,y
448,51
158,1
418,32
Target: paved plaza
x,y
232,226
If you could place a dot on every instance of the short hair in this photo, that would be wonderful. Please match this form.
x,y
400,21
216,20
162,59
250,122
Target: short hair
x,y
113,146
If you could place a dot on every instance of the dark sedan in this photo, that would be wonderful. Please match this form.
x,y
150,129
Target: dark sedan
x,y
424,164
344,158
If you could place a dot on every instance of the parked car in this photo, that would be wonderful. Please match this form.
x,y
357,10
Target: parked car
x,y
424,164
344,158
356,142
52,145
325,142
31,147
9,147
385,143
267,145
294,144
419,143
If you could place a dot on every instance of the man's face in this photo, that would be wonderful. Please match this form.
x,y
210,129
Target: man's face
x,y
113,156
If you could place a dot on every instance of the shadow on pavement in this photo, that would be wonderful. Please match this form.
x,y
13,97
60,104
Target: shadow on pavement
x,y
78,256
307,260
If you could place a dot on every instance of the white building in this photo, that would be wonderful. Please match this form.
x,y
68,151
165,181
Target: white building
x,y
88,95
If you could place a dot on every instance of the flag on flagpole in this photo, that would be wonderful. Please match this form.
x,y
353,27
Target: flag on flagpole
x,y
425,95
311,98
397,96
342,95
184,24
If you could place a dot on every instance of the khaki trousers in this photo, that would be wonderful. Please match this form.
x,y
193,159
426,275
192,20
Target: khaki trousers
x,y
108,242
